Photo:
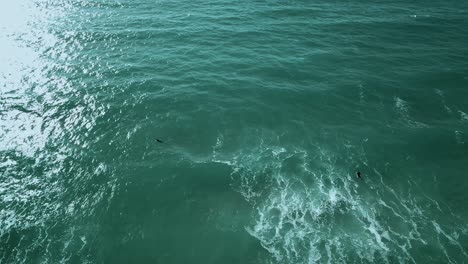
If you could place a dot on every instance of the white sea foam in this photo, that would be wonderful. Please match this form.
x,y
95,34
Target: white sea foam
x,y
402,106
327,219
403,109
463,116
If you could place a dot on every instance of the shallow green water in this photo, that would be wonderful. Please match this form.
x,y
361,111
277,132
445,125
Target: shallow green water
x,y
266,109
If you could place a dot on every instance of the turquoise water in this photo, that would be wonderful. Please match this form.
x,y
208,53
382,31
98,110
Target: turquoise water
x,y
266,108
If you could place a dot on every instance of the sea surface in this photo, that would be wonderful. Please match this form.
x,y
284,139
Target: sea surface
x,y
265,109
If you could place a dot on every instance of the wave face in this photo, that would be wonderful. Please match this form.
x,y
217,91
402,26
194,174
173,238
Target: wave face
x,y
266,110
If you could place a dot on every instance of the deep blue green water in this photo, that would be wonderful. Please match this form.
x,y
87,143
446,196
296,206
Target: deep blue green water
x,y
266,108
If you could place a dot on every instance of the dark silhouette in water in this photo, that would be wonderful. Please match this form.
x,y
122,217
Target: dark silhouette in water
x,y
359,175
160,141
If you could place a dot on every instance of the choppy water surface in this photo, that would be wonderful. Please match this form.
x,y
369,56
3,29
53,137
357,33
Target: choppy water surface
x,y
266,109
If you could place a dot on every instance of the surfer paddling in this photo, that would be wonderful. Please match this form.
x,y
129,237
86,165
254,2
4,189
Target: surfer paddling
x,y
159,141
359,175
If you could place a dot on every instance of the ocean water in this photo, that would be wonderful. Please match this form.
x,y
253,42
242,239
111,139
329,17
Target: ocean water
x,y
266,110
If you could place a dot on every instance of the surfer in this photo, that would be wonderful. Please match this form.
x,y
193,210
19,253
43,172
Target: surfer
x,y
359,175
160,141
